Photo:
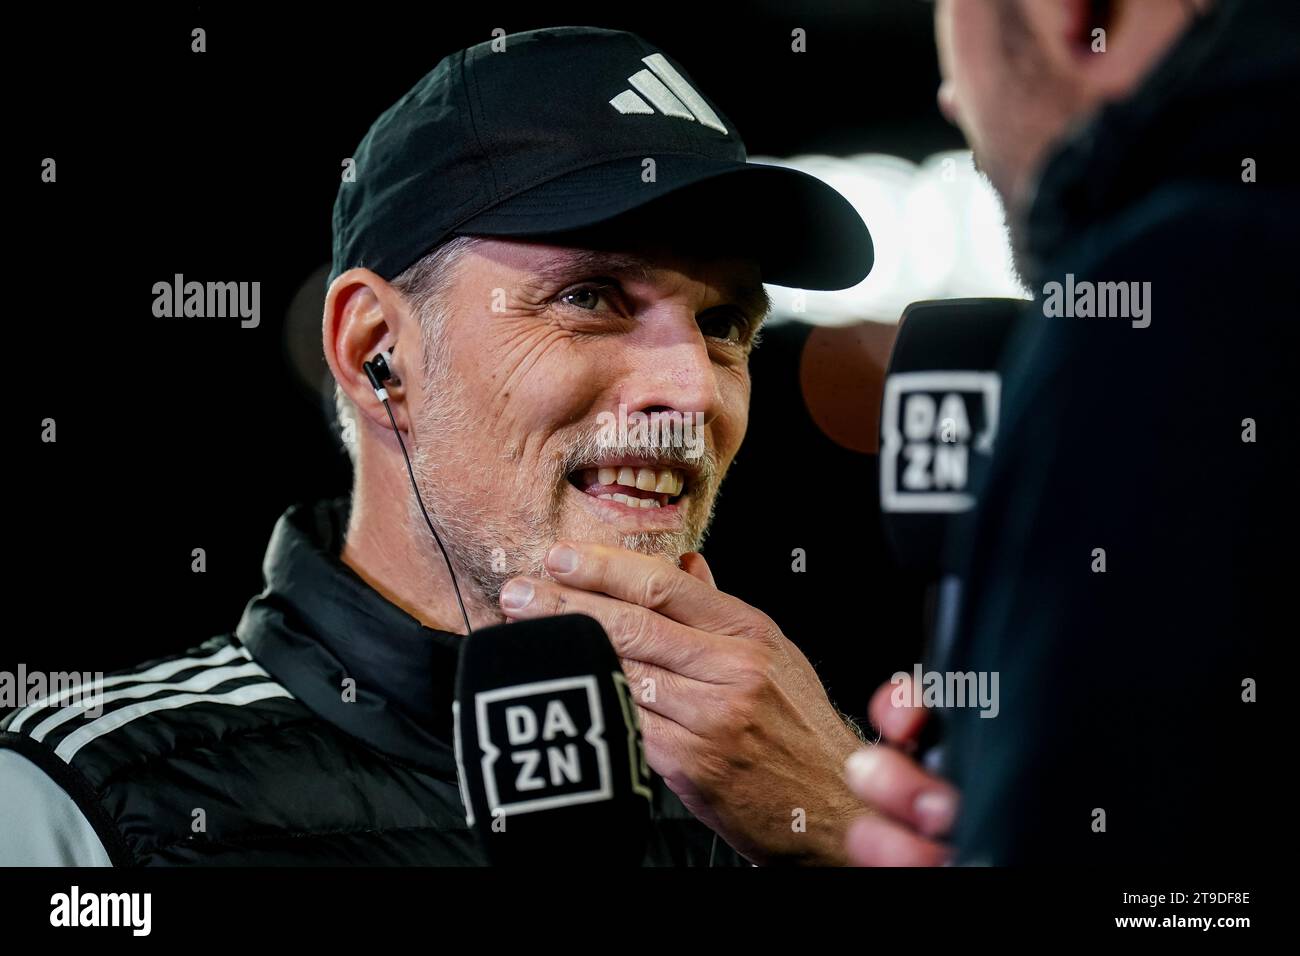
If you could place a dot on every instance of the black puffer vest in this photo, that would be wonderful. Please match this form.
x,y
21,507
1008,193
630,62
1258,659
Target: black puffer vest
x,y
318,733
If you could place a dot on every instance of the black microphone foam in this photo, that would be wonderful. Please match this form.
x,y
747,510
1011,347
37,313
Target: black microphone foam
x,y
938,421
552,766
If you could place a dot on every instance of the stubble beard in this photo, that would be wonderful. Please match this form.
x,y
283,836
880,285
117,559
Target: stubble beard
x,y
492,541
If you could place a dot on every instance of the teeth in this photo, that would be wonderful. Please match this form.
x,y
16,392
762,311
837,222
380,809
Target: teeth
x,y
664,481
632,502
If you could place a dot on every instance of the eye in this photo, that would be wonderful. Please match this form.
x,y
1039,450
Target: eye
x,y
586,297
726,325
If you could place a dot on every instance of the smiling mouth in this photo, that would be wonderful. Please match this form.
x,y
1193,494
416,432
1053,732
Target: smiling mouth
x,y
635,485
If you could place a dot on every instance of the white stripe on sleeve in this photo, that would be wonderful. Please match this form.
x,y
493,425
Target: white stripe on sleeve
x,y
160,672
70,744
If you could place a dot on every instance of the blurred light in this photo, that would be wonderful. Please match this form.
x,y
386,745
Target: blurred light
x,y
938,231
933,231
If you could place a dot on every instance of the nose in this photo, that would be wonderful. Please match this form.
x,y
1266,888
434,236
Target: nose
x,y
947,102
673,372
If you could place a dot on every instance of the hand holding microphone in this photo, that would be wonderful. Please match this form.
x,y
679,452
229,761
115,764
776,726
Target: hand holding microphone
x,y
913,810
939,423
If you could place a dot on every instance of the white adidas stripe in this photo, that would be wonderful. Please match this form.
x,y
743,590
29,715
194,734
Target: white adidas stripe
x,y
629,102
158,672
650,86
204,680
110,722
685,92
669,92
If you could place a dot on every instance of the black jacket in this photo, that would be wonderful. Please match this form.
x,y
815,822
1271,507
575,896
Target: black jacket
x,y
245,751
1125,732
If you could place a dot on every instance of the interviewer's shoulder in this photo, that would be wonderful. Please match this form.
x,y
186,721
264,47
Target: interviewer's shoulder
x,y
1203,267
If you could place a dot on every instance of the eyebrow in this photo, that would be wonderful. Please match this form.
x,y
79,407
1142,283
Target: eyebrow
x,y
751,298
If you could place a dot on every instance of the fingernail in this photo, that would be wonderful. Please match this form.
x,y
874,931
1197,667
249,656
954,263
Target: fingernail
x,y
562,559
936,811
516,594
861,766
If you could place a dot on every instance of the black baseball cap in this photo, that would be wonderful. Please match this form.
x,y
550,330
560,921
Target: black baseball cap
x,y
566,129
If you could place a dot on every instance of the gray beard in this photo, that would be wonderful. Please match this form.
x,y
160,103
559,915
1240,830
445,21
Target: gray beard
x,y
490,543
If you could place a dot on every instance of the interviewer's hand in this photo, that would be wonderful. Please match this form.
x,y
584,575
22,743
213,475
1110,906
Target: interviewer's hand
x,y
910,810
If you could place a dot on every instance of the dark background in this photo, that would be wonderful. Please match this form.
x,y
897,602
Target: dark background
x,y
175,434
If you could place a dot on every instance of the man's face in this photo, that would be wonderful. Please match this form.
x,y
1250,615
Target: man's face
x,y
519,443
998,89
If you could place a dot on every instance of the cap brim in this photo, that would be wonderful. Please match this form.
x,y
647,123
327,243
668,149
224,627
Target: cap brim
x,y
801,231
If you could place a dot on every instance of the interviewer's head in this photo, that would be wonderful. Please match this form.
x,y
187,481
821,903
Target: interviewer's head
x,y
553,237
1019,74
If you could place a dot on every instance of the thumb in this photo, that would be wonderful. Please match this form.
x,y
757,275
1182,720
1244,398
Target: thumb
x,y
693,563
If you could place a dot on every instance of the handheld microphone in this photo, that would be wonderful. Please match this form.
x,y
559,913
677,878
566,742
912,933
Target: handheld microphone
x,y
551,764
938,426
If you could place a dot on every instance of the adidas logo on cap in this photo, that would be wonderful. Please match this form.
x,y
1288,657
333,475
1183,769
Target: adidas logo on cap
x,y
669,93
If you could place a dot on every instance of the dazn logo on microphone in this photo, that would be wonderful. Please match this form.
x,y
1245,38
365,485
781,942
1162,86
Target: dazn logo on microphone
x,y
936,428
543,745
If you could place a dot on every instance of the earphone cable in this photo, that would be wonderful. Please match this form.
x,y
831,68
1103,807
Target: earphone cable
x,y
420,501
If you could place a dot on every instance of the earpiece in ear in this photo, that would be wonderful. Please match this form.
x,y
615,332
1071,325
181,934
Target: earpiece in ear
x,y
379,371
